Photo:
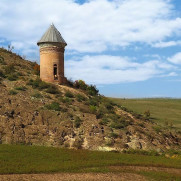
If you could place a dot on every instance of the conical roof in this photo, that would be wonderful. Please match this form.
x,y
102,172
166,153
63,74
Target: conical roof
x,y
52,35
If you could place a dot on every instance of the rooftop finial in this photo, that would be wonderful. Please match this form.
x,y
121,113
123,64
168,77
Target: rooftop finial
x,y
52,24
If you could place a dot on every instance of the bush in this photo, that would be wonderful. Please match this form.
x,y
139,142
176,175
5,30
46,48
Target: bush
x,y
119,124
12,92
80,98
2,74
65,100
2,60
36,69
109,106
92,90
12,77
53,106
22,88
147,114
77,122
70,82
93,102
93,109
69,94
9,69
157,129
113,135
101,111
37,95
38,84
52,89
104,121
80,84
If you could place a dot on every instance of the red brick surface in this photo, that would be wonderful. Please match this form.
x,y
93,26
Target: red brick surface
x,y
50,55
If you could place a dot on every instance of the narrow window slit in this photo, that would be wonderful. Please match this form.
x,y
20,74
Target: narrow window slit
x,y
55,72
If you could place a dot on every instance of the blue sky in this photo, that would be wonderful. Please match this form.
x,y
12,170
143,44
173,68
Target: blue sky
x,y
127,48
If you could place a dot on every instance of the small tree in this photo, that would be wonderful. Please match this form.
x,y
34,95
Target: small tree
x,y
36,69
147,114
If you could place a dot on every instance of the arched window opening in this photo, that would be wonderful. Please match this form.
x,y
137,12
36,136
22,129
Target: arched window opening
x,y
55,73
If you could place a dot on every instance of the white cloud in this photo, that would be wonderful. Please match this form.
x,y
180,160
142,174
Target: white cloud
x,y
106,69
95,26
176,59
166,44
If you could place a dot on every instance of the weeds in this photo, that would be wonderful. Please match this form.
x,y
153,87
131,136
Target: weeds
x,y
53,106
69,94
22,88
77,122
12,92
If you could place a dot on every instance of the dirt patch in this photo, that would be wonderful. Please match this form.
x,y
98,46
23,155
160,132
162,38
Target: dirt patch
x,y
73,177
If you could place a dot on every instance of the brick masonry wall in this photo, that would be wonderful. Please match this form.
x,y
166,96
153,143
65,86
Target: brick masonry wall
x,y
50,55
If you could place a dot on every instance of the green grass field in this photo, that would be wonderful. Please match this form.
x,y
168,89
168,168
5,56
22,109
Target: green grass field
x,y
162,110
17,159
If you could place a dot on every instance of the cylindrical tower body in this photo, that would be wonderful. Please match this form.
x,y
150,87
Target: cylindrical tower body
x,y
52,47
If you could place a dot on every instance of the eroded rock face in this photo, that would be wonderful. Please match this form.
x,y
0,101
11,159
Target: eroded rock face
x,y
24,121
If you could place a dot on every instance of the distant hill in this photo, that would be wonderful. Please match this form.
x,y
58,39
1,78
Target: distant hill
x,y
33,112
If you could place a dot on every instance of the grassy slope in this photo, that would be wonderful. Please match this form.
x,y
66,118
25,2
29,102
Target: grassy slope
x,y
161,110
35,159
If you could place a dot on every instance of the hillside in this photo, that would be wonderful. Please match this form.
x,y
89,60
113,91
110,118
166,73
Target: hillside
x,y
33,112
162,110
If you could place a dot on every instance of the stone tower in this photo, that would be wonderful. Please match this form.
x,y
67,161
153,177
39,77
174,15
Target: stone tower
x,y
52,47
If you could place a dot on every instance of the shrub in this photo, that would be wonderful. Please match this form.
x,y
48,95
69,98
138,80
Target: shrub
x,y
2,74
80,84
113,135
69,94
93,109
93,102
70,82
104,121
37,95
92,90
77,122
99,114
9,69
22,88
119,124
53,106
12,92
157,129
80,98
147,114
38,84
12,77
2,60
36,69
19,74
65,100
52,89
101,111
